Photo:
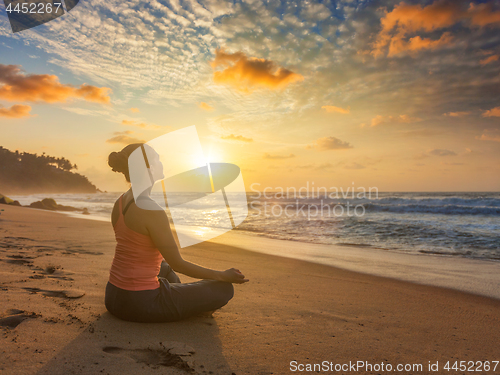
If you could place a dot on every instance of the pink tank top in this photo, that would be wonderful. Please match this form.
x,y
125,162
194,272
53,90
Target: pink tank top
x,y
137,261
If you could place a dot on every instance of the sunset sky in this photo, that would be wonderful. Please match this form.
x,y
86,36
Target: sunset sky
x,y
402,96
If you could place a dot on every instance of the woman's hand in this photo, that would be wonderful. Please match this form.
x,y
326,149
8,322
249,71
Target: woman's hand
x,y
233,275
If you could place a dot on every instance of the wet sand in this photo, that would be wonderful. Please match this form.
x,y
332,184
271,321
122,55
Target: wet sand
x,y
54,268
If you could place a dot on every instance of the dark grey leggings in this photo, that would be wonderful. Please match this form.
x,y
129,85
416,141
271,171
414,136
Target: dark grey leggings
x,y
170,302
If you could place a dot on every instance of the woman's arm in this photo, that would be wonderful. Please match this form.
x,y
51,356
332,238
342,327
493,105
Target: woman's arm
x,y
161,234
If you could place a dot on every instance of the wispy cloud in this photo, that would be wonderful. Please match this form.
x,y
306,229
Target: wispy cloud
x,y
434,152
240,138
88,112
489,59
180,39
490,135
354,165
331,109
206,107
441,152
16,86
401,119
418,43
160,52
124,138
134,110
15,111
330,143
457,114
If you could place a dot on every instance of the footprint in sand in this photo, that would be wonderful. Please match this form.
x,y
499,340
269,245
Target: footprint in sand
x,y
19,259
19,238
74,250
52,272
69,293
152,358
13,317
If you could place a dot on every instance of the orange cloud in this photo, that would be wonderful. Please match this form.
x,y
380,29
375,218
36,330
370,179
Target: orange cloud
x,y
494,112
489,60
405,20
490,135
124,138
401,119
354,165
330,143
16,86
483,14
139,124
441,152
331,108
245,73
278,157
240,138
16,111
415,44
134,110
92,93
456,114
205,106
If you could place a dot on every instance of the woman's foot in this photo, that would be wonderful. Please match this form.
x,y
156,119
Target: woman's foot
x,y
168,273
207,314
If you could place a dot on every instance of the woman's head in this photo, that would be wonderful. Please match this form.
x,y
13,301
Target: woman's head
x,y
118,161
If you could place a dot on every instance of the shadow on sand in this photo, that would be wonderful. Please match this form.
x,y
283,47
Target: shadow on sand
x,y
112,346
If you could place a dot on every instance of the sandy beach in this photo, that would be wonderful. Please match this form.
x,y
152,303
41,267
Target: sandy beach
x,y
54,269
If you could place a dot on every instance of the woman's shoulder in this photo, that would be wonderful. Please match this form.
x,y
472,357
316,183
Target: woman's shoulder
x,y
147,204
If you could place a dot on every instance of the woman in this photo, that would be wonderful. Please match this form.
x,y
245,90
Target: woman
x,y
143,286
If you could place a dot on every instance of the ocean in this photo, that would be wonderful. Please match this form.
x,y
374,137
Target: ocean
x,y
438,224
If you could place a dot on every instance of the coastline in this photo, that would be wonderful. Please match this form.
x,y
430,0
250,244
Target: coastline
x,y
54,270
463,225
476,276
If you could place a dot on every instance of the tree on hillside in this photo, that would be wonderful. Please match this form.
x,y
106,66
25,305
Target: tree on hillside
x,y
26,173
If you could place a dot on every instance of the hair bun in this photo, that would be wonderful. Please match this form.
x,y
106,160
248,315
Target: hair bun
x,y
118,162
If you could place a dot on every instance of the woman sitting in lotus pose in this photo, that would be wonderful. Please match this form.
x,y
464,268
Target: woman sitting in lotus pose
x,y
143,286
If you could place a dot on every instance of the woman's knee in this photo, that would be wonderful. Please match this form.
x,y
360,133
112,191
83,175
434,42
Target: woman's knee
x,y
226,290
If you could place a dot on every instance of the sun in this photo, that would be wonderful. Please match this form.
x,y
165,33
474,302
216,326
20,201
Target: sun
x,y
214,156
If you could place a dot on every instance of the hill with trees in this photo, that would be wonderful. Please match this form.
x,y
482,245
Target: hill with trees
x,y
25,173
